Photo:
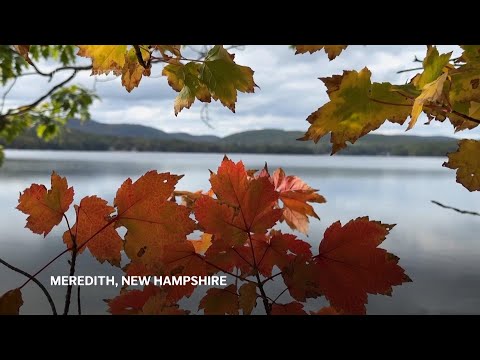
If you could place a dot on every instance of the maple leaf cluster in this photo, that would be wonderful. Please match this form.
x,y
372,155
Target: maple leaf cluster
x,y
236,218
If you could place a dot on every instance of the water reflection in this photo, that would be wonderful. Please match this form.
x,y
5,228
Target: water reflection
x,y
439,249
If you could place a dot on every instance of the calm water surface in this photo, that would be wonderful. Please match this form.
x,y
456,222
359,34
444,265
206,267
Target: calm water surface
x,y
439,249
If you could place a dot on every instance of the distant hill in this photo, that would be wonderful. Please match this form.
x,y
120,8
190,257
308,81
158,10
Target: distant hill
x,y
129,130
97,136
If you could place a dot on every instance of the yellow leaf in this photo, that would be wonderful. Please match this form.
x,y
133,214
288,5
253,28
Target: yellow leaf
x,y
431,93
331,50
474,110
105,58
132,71
467,162
433,67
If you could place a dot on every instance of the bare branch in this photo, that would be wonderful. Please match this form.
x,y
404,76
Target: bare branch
x,y
407,70
36,281
455,209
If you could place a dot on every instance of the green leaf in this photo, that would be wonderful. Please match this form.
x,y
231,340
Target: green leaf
x,y
464,89
223,77
471,53
433,65
356,107
185,79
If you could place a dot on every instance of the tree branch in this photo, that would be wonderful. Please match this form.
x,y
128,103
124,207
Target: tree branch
x,y
26,108
70,248
53,72
455,209
36,281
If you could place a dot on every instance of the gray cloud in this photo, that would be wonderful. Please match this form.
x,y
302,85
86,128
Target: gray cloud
x,y
289,91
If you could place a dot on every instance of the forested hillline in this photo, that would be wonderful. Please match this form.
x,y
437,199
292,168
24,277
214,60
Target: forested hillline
x,y
95,136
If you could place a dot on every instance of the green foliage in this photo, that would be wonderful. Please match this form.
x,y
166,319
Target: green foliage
x,y
51,110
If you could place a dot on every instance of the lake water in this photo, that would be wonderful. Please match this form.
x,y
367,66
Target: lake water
x,y
438,248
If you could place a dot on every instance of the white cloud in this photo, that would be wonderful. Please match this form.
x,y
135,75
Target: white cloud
x,y
289,91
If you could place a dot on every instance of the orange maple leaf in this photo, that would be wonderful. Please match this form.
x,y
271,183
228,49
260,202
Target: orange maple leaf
x,y
300,276
327,310
149,301
244,205
151,220
350,264
220,256
293,308
276,249
95,228
181,259
295,195
46,208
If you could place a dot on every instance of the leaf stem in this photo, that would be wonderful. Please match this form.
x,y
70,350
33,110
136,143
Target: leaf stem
x,y
72,265
266,305
466,117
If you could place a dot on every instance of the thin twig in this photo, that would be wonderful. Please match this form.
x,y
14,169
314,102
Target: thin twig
x,y
272,277
79,306
455,209
44,267
225,271
36,281
71,248
6,93
274,301
73,261
407,70
466,117
59,69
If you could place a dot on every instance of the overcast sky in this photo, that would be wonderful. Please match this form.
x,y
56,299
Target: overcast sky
x,y
289,92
